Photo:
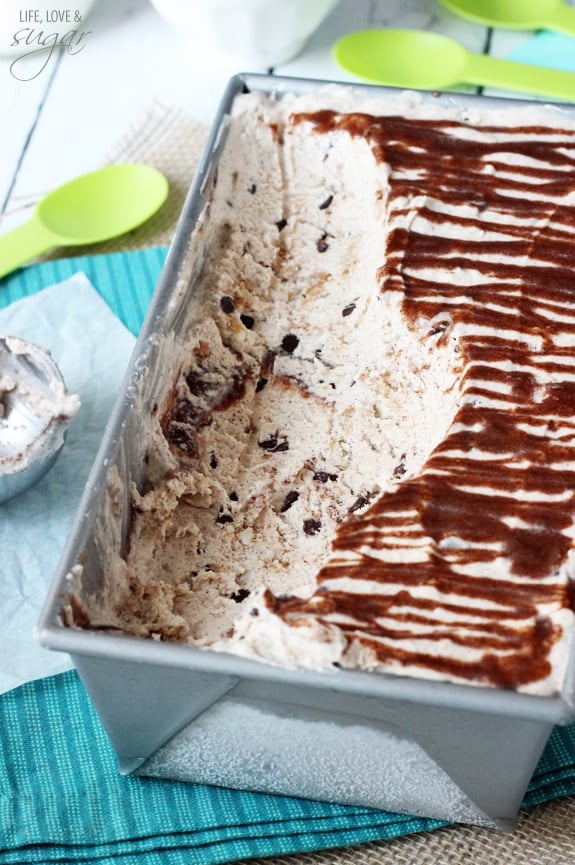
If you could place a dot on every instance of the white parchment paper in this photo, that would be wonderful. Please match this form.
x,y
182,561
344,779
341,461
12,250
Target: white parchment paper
x,y
92,348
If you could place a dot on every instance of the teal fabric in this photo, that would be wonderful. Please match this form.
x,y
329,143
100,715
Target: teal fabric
x,y
61,796
62,799
126,280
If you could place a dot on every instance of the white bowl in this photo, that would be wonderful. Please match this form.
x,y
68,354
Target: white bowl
x,y
259,33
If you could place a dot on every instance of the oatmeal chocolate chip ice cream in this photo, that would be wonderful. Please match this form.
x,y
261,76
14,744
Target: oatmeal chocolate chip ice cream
x,y
365,456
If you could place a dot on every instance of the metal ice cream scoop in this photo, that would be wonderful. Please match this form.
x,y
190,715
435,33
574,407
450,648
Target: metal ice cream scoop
x,y
35,410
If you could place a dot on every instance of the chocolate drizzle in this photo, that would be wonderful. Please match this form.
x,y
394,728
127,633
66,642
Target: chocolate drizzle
x,y
466,554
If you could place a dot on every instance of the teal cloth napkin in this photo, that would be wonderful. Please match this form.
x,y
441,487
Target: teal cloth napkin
x,y
62,799
126,280
61,796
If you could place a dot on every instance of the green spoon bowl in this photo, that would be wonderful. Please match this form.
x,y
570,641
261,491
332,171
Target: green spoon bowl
x,y
517,14
89,209
424,60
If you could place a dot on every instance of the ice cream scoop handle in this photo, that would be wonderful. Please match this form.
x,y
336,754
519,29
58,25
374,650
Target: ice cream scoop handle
x,y
23,243
522,77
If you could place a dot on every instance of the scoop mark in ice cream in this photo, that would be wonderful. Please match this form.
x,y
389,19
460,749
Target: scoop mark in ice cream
x,y
455,565
189,415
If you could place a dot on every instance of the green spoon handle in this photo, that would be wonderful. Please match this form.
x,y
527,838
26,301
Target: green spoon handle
x,y
562,19
22,244
522,77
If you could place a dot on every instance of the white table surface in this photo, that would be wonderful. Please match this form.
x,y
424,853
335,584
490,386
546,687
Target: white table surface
x,y
66,118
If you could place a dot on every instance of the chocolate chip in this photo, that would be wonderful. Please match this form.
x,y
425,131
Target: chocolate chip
x,y
324,477
247,321
214,462
347,310
261,384
226,304
224,518
290,342
440,327
400,469
252,189
325,204
289,500
322,245
311,527
281,224
359,503
274,445
240,595
233,497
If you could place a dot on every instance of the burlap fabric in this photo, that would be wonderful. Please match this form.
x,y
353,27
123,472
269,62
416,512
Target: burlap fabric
x,y
173,142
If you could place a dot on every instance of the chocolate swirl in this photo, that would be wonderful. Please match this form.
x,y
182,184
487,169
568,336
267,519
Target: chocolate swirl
x,y
461,570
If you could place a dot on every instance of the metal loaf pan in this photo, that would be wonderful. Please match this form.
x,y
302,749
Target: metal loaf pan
x,y
435,749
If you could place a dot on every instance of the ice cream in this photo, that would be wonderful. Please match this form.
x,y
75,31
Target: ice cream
x,y
361,450
35,411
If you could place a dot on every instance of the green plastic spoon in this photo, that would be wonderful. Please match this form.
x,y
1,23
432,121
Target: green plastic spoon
x,y
423,60
92,208
517,14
